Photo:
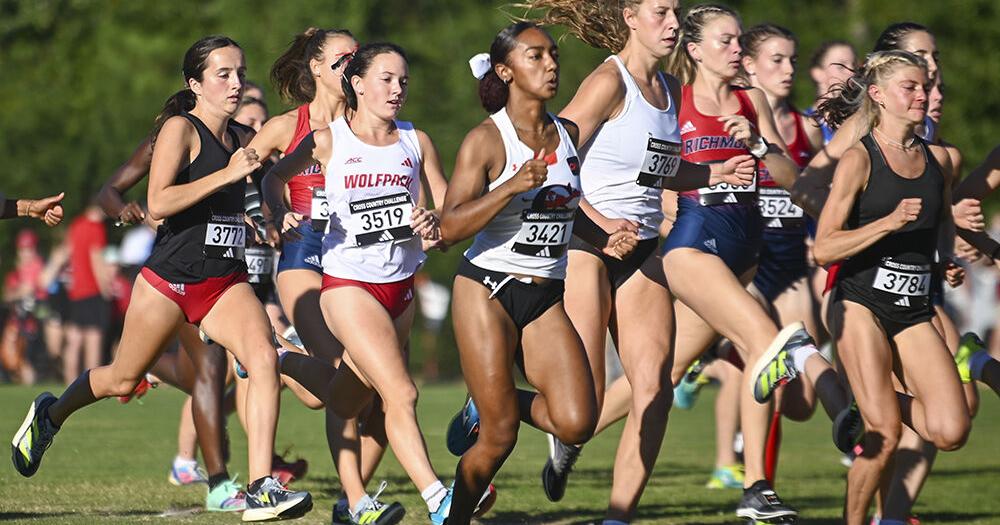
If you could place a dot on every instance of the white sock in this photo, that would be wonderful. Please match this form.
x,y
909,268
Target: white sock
x,y
184,462
433,495
362,505
977,361
801,354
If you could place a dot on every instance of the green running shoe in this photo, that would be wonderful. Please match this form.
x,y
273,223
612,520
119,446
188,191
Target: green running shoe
x,y
730,477
968,345
686,392
226,497
34,437
776,367
374,512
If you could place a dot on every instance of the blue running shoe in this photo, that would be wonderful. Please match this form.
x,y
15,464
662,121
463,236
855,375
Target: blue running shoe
x,y
239,370
440,516
463,431
686,392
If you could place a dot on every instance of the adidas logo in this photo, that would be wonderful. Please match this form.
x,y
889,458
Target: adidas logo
x,y
544,252
409,295
710,244
903,301
408,163
386,236
313,260
730,199
229,254
176,288
775,223
688,127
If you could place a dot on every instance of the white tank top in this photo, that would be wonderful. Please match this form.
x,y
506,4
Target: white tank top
x,y
531,234
628,156
372,191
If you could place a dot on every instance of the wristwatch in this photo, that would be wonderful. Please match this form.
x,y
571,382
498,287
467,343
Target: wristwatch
x,y
759,150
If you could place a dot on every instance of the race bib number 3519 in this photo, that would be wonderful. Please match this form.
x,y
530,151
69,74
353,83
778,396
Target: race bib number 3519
x,y
381,219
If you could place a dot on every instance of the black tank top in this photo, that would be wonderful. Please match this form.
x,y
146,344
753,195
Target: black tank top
x,y
899,264
209,238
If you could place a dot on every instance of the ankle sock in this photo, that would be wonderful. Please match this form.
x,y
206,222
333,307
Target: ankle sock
x,y
977,361
216,479
254,485
801,354
184,462
433,495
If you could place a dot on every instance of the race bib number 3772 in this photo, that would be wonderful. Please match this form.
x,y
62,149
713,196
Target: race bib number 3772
x,y
381,219
225,237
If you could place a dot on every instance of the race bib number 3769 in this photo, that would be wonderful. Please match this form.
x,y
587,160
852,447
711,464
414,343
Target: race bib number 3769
x,y
662,159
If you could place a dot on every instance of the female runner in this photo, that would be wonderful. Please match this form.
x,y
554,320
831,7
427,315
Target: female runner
x,y
375,167
516,188
196,272
891,191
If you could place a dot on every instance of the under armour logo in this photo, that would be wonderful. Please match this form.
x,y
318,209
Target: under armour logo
x,y
490,283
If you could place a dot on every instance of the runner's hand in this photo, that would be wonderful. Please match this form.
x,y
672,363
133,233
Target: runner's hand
x,y
968,214
290,221
243,162
531,175
737,171
906,212
425,224
954,274
740,128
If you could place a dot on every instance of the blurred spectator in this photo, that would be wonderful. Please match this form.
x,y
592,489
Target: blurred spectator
x,y
88,292
21,294
120,287
48,210
433,299
135,248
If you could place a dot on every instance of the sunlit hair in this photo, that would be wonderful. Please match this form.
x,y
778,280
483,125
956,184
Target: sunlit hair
x,y
679,62
598,23
852,96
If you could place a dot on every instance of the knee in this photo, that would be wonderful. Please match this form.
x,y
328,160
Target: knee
x,y
881,439
650,394
402,397
498,440
952,433
575,427
260,359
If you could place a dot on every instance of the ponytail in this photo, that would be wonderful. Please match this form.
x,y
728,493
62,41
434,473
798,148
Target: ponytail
x,y
853,94
180,102
493,91
290,73
598,23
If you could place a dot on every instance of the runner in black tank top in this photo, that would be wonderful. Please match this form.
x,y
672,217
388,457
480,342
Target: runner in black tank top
x,y
888,200
199,187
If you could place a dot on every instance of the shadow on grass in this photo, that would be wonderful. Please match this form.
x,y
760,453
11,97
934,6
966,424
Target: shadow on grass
x,y
10,516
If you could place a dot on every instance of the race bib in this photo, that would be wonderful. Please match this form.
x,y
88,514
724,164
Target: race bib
x,y
225,237
725,187
903,279
776,203
260,263
319,210
661,161
381,219
544,233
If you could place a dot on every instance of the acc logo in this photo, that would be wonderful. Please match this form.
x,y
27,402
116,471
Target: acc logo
x,y
353,160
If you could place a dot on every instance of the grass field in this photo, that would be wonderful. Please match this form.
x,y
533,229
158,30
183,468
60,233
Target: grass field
x,y
109,465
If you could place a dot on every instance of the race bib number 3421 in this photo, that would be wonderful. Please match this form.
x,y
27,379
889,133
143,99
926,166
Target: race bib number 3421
x,y
544,233
381,219
225,237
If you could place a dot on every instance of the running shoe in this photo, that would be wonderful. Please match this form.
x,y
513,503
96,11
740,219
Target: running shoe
x,y
760,502
776,367
186,474
137,392
485,502
686,392
341,513
239,370
34,437
374,512
729,477
555,473
968,345
272,501
226,497
204,337
440,515
848,428
463,431
286,472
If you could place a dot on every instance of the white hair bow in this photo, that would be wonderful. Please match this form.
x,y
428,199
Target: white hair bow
x,y
480,65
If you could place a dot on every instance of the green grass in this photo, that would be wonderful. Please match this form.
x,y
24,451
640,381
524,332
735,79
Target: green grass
x,y
109,465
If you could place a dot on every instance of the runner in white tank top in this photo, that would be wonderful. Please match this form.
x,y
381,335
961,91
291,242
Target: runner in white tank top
x,y
372,192
518,200
376,168
626,111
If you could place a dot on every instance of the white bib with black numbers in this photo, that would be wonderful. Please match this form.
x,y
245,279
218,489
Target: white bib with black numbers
x,y
320,210
381,219
531,234
662,160
371,192
897,278
776,203
260,263
225,237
